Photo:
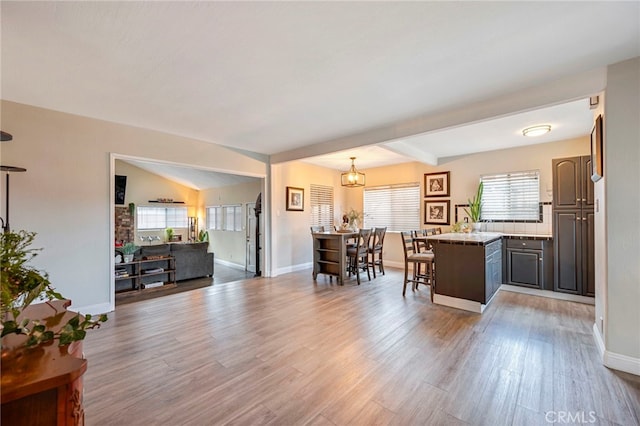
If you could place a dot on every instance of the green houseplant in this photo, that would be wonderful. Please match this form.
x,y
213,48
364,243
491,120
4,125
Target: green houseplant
x,y
474,210
128,250
203,236
169,234
21,285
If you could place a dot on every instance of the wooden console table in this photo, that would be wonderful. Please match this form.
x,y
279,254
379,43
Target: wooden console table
x,y
330,253
43,385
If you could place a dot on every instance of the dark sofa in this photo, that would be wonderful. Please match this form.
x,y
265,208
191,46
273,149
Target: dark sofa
x,y
192,259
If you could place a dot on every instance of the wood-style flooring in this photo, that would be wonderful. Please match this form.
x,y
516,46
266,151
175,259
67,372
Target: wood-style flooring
x,y
288,351
222,274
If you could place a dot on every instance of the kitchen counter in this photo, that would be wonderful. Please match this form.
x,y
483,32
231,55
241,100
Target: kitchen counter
x,y
473,238
469,265
483,238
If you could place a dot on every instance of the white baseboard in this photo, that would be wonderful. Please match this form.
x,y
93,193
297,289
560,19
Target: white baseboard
x,y
100,308
454,302
622,363
229,264
613,360
550,294
599,342
398,265
292,268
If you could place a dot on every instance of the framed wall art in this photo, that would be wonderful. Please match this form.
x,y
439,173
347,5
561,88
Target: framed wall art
x,y
596,150
436,184
436,212
295,199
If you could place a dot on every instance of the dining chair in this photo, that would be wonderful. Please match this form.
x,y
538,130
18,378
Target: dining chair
x,y
375,249
416,259
317,228
359,254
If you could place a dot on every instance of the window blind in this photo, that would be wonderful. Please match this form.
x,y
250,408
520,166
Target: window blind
x,y
511,196
321,197
233,218
161,217
214,218
176,217
397,207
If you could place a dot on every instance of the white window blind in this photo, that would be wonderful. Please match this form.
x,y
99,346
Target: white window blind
x,y
176,217
511,196
214,218
233,218
161,217
397,207
321,197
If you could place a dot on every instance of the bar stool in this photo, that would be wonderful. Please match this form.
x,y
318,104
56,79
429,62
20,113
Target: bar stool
x,y
417,259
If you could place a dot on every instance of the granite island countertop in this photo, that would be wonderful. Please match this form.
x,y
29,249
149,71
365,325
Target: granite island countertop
x,y
481,238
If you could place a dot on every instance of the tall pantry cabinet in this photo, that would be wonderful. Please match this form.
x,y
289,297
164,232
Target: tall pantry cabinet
x,y
573,226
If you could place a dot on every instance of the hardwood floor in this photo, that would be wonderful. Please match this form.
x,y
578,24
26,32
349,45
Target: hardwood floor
x,y
288,351
222,274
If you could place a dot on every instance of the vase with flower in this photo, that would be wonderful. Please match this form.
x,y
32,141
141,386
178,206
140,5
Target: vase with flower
x,y
354,219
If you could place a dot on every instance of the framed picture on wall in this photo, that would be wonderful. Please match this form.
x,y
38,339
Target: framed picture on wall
x,y
436,212
596,150
295,199
436,184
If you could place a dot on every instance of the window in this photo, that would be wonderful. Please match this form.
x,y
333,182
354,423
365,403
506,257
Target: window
x,y
508,197
214,218
321,205
233,218
161,217
397,207
225,218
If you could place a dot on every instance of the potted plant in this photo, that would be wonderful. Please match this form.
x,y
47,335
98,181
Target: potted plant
x,y
169,234
203,236
475,208
128,250
21,285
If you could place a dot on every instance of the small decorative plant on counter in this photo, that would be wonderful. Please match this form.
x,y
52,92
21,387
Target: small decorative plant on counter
x,y
203,236
475,207
169,234
128,250
22,284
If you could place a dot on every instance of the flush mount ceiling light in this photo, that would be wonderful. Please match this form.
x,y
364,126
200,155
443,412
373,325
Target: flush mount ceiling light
x,y
353,177
536,130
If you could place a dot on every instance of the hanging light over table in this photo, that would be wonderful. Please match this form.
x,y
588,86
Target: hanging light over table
x,y
353,177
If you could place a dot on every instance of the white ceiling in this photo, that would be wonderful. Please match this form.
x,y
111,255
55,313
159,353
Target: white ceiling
x,y
191,177
273,77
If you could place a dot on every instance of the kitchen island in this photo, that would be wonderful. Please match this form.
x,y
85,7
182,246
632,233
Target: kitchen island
x,y
468,269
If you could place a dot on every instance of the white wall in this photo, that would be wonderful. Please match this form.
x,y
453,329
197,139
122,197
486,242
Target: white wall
x,y
229,246
291,235
600,236
622,183
66,194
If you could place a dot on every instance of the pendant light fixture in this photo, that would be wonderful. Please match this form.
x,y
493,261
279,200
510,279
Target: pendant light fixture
x,y
352,178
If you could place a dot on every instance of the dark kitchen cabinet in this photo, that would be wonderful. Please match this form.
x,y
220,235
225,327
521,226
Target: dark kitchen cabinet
x,y
573,226
529,263
468,270
572,185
